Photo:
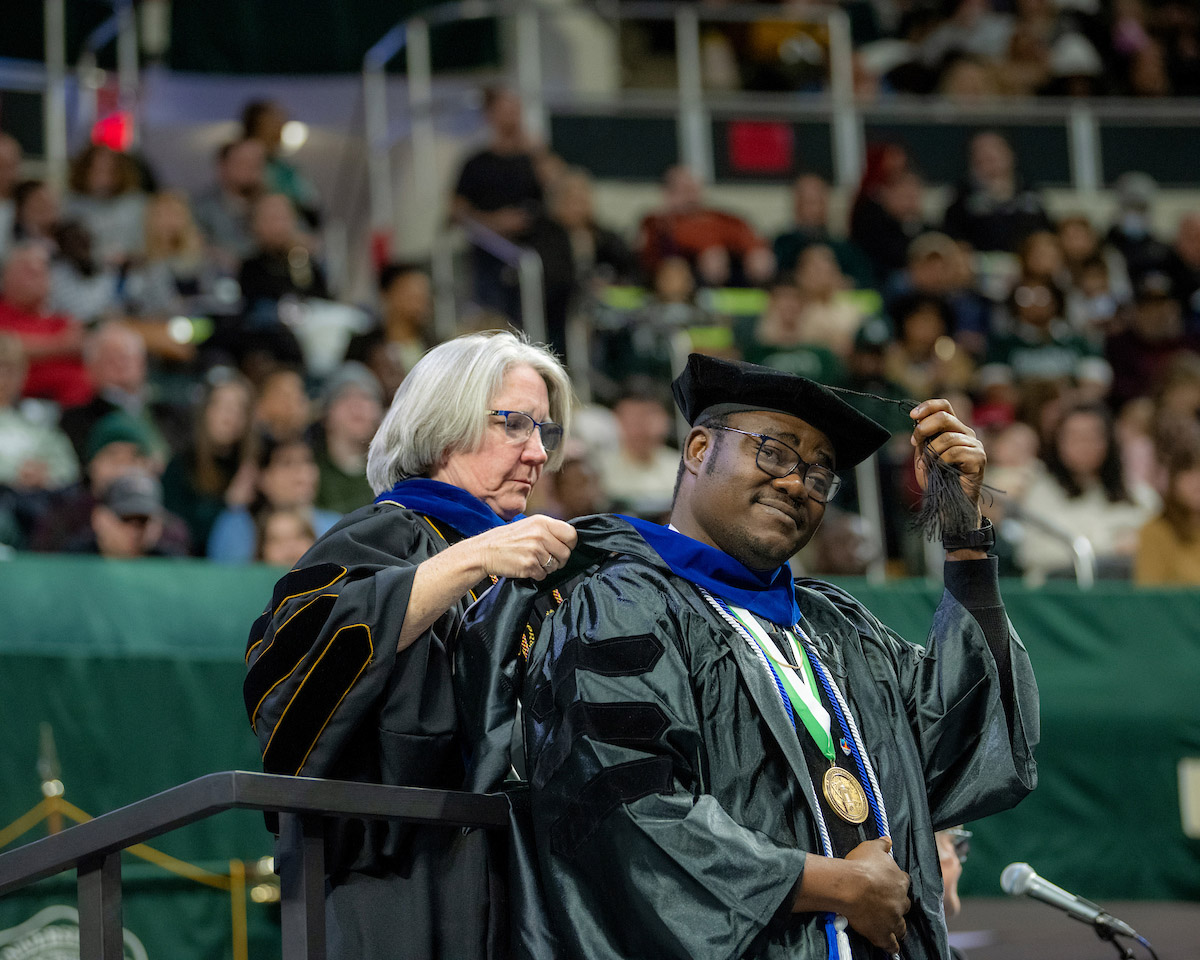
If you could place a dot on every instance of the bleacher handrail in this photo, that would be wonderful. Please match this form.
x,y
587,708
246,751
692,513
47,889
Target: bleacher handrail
x,y
94,848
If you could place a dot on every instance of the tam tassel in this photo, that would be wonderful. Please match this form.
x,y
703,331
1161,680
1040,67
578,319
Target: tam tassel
x,y
946,510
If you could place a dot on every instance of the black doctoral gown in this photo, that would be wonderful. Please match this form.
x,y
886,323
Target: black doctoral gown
x,y
329,696
672,808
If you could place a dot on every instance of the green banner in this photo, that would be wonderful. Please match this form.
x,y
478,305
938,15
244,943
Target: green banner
x,y
137,669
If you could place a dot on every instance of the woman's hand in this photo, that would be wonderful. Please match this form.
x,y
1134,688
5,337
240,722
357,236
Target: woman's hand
x,y
533,547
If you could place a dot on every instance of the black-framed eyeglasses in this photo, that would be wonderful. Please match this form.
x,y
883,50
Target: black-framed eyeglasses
x,y
518,427
961,839
775,458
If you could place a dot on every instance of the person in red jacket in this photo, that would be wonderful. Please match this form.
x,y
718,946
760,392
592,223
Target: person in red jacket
x,y
53,343
722,249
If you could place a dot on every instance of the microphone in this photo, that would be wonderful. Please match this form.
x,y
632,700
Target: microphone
x,y
1020,879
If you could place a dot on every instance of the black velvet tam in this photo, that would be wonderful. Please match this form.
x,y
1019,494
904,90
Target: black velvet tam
x,y
727,386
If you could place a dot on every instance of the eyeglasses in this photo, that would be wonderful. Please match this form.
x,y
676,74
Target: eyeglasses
x,y
777,459
518,427
961,839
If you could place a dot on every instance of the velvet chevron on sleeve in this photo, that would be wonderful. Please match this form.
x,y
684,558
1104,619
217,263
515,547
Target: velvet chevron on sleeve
x,y
672,803
328,695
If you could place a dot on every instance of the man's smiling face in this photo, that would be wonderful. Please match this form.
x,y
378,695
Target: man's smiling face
x,y
754,517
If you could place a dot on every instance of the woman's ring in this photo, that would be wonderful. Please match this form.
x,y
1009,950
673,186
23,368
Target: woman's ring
x,y
549,562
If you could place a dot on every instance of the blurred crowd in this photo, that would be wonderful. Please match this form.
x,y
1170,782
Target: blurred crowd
x,y
178,377
961,49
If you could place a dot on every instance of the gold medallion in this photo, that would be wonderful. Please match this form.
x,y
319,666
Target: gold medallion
x,y
845,795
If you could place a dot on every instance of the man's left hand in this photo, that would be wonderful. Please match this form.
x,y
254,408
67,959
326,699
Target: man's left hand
x,y
952,441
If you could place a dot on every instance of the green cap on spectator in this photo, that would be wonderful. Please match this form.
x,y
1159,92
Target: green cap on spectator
x,y
118,427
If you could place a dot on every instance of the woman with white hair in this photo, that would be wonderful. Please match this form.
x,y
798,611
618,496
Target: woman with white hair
x,y
349,675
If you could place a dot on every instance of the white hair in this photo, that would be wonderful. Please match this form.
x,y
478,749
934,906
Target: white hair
x,y
441,407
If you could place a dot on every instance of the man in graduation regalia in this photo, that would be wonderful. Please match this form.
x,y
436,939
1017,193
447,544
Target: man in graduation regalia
x,y
725,762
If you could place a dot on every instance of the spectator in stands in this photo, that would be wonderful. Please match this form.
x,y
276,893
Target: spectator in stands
x,y
1183,267
1179,32
1141,354
176,274
81,285
264,120
499,187
1076,68
1177,398
115,357
721,248
1025,66
1015,466
280,264
924,360
353,409
282,411
280,267
780,339
601,256
1040,255
10,174
885,225
403,333
639,477
105,194
973,28
841,547
640,342
575,488
34,454
116,445
223,210
1146,74
1038,343
284,536
939,267
36,212
287,478
1092,305
1082,492
1132,232
1168,550
867,366
810,215
993,209
217,469
966,79
1096,289
827,317
52,342
127,522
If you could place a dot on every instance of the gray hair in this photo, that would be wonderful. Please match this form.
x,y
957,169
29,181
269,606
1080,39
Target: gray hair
x,y
441,407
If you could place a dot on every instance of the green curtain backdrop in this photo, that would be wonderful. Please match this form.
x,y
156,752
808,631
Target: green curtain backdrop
x,y
137,667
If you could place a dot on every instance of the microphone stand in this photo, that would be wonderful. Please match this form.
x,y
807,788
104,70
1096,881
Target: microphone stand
x,y
1105,931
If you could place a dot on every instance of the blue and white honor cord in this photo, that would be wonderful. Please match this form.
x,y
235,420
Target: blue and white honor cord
x,y
835,924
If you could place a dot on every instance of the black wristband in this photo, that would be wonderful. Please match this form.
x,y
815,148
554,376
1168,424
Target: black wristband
x,y
982,539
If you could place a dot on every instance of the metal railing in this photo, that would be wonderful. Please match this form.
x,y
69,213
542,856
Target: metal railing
x,y
412,35
1083,554
94,848
524,260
